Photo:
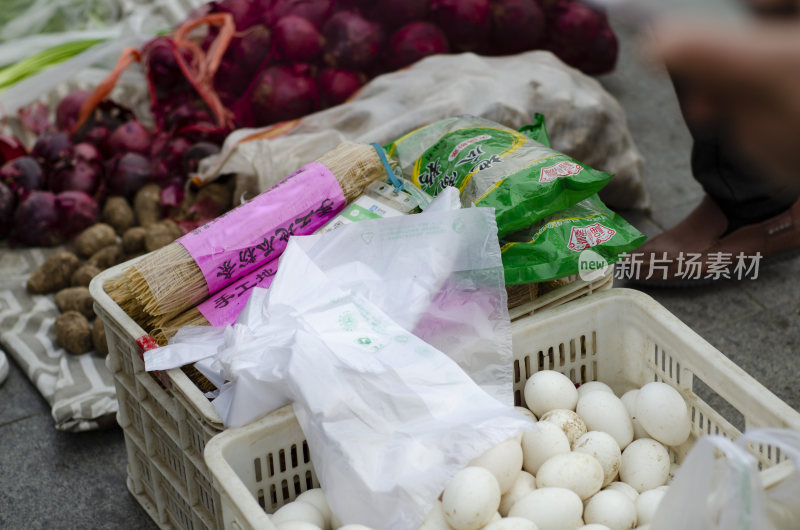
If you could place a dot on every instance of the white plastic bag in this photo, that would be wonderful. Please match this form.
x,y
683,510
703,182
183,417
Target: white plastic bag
x,y
389,419
438,274
719,487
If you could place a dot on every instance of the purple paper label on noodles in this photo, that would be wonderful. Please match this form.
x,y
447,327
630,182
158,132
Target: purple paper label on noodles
x,y
223,307
239,242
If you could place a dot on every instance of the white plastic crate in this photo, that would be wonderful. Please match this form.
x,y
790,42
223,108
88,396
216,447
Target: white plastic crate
x,y
166,422
621,337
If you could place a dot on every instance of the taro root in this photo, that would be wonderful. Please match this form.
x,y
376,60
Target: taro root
x,y
118,213
74,333
76,299
94,238
83,276
147,205
54,274
161,234
133,240
107,257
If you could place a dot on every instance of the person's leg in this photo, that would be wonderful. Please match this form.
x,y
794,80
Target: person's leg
x,y
745,195
743,212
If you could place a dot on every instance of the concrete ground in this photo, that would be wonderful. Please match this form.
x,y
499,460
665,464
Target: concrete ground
x,y
51,479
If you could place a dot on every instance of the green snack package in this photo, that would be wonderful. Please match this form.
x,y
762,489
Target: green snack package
x,y
514,172
552,248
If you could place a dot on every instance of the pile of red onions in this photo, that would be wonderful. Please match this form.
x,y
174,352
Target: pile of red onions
x,y
287,58
247,63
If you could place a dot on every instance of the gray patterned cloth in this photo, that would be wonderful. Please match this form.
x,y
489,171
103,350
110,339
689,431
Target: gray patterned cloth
x,y
79,388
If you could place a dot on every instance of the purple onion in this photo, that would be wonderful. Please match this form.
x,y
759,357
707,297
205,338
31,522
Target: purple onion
x,y
80,168
69,109
36,221
130,137
22,175
77,211
125,174
8,203
49,147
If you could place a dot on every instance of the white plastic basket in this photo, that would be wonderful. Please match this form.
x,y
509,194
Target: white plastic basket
x,y
167,420
621,337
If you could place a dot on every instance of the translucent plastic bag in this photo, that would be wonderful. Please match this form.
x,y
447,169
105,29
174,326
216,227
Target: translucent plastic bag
x,y
438,274
719,487
389,419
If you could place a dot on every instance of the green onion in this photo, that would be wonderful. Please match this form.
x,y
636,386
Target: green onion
x,y
42,60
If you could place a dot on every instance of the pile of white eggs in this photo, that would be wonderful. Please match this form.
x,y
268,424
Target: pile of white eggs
x,y
594,461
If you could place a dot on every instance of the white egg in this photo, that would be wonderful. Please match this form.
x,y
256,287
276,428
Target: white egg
x,y
568,421
550,509
547,390
471,498
354,527
642,527
645,464
611,508
591,386
673,470
629,400
296,525
434,520
316,498
504,461
524,484
336,523
578,472
298,511
512,523
605,412
594,526
527,413
663,413
627,489
604,448
647,504
541,443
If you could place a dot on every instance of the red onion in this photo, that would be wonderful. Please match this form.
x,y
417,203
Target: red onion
x,y
414,41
